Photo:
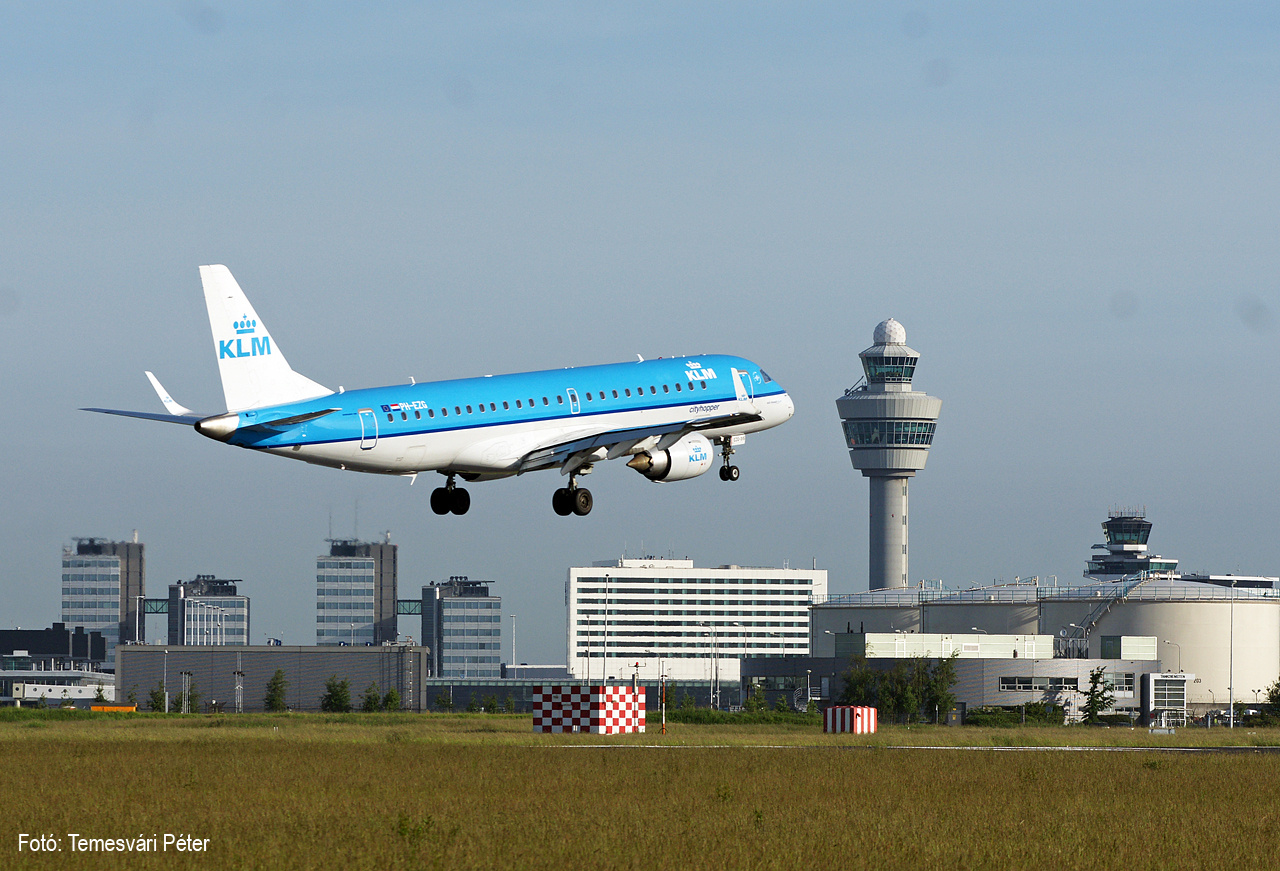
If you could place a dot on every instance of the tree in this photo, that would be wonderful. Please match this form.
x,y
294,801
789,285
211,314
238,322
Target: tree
x,y
473,705
756,701
781,705
899,696
99,695
444,701
372,702
938,696
337,696
490,704
1098,698
155,698
511,704
391,701
274,700
1273,695
133,695
861,684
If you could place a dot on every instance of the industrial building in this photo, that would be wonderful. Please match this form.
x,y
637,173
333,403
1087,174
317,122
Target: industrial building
x,y
888,428
694,623
356,593
102,585
207,611
462,625
235,678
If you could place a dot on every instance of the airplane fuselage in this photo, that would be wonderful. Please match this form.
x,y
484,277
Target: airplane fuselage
x,y
487,427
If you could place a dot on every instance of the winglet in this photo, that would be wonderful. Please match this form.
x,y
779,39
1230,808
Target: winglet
x,y
170,406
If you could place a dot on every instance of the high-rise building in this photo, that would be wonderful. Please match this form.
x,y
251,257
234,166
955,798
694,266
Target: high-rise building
x,y
207,611
356,592
462,624
642,615
888,428
102,582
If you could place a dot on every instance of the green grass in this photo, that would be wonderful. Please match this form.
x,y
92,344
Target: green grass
x,y
395,791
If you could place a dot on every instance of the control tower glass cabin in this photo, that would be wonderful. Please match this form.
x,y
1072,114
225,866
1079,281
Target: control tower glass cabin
x,y
888,428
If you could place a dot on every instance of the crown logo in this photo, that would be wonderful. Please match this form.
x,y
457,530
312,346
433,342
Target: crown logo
x,y
244,326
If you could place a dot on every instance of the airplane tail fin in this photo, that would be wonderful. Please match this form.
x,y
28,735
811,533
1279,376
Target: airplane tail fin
x,y
253,369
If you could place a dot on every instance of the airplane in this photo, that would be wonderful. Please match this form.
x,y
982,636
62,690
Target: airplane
x,y
666,416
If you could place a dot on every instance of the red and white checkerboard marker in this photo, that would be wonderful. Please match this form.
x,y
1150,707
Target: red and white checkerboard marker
x,y
602,710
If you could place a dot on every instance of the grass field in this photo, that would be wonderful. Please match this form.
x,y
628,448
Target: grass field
x,y
457,791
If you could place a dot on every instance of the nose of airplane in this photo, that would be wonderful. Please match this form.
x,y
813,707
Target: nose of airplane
x,y
788,406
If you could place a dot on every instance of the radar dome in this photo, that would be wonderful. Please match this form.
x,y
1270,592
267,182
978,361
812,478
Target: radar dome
x,y
890,332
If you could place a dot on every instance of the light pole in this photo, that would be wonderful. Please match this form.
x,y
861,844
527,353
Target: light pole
x,y
353,634
514,662
1231,662
808,691
164,681
1085,634
1179,646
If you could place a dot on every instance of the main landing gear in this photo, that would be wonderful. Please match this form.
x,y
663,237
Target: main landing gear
x,y
449,498
728,472
571,500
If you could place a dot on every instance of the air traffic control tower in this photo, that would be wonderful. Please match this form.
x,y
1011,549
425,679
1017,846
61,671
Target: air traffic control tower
x,y
888,428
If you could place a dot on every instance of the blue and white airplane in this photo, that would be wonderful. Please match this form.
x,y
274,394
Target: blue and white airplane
x,y
666,416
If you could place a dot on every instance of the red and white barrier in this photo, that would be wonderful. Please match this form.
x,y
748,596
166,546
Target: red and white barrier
x,y
857,719
603,710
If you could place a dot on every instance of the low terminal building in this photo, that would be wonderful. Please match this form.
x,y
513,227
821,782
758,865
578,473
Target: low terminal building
x,y
55,666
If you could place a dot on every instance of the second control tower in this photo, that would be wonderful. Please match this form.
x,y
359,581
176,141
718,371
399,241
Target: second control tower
x,y
888,428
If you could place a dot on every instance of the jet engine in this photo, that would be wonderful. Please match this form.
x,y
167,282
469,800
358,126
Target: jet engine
x,y
687,458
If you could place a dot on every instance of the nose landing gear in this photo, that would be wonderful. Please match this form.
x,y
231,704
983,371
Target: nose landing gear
x,y
450,498
728,472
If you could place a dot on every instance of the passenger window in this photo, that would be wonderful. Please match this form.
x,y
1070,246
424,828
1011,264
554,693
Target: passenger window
x,y
444,412
404,415
468,409
690,385
417,415
430,413
457,409
559,399
652,389
602,394
505,407
677,387
666,389
704,384
481,408
391,417
518,405
627,391
544,401
531,403
493,407
588,395
615,394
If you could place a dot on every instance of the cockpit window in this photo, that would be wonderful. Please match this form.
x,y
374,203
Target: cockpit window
x,y
765,376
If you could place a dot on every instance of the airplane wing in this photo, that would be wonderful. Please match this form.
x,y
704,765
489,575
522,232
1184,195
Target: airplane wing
x,y
610,444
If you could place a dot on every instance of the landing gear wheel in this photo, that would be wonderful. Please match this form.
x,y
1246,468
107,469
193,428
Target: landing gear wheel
x,y
440,500
582,502
730,473
724,473
562,502
459,501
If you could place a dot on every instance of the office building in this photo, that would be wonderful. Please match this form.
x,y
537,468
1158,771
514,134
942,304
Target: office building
x,y
102,583
462,625
207,611
888,428
356,593
637,616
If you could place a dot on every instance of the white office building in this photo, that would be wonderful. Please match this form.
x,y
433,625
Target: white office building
x,y
655,616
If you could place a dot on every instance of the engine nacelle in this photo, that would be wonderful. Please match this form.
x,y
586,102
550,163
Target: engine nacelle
x,y
687,458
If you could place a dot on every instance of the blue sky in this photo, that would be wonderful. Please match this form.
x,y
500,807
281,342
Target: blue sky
x,y
1072,211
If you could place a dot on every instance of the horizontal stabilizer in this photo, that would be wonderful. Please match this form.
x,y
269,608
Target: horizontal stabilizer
x,y
188,419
